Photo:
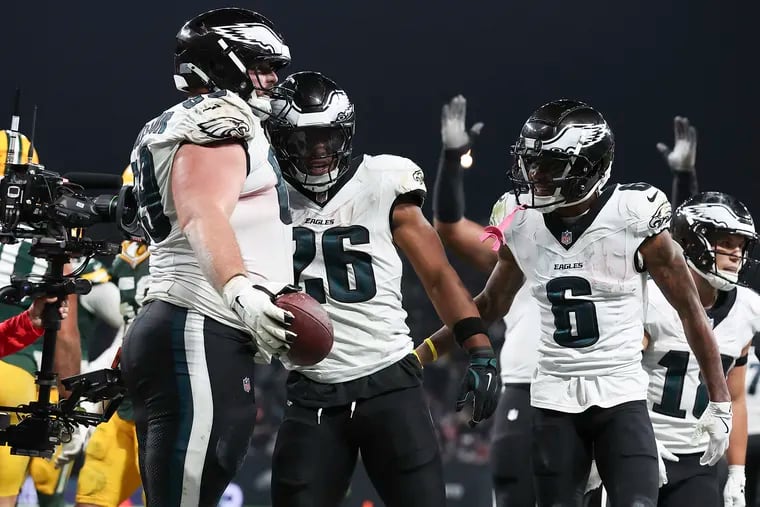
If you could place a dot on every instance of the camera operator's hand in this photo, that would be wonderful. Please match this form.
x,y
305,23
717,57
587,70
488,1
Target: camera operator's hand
x,y
35,311
71,449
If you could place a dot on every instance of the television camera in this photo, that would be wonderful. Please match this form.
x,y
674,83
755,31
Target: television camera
x,y
51,212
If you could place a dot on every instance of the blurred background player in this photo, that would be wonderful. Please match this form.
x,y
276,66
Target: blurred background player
x,y
17,370
349,216
715,231
584,249
110,473
511,436
213,204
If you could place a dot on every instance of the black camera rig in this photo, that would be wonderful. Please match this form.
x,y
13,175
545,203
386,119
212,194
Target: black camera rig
x,y
45,209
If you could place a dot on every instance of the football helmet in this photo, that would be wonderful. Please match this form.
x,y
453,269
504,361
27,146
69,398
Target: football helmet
x,y
216,49
694,225
311,131
14,149
562,157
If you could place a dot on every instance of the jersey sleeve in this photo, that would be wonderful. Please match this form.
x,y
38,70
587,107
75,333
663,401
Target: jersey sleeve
x,y
648,209
216,118
402,179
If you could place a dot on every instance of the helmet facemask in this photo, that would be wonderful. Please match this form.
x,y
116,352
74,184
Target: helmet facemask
x,y
313,157
571,177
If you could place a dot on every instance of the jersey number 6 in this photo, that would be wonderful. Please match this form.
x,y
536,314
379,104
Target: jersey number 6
x,y
574,319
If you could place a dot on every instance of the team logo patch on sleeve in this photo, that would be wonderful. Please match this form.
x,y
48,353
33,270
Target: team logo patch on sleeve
x,y
661,217
224,127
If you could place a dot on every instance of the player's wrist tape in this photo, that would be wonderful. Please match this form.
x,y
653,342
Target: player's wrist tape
x,y
432,348
467,327
418,358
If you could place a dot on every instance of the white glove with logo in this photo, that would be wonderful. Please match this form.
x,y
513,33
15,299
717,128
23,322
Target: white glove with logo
x,y
71,449
664,454
267,322
453,132
716,421
733,493
684,153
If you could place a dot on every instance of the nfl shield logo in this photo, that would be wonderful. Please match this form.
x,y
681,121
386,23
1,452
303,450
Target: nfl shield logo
x,y
566,238
247,384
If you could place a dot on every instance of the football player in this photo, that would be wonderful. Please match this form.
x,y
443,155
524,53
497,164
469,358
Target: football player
x,y
215,209
715,231
18,370
350,214
511,436
585,250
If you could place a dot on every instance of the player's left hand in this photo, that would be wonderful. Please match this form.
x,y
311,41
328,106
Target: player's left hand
x,y
716,421
71,449
454,134
733,493
482,384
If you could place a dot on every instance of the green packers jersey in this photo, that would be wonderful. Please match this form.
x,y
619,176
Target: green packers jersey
x,y
129,272
16,259
87,321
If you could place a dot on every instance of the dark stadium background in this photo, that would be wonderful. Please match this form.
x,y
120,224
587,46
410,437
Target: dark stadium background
x,y
98,70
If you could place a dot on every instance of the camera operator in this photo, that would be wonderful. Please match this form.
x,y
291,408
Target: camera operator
x,y
18,369
23,329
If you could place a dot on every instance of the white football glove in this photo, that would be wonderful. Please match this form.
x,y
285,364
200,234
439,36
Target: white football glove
x,y
733,493
664,454
267,322
453,132
71,449
594,480
684,153
716,421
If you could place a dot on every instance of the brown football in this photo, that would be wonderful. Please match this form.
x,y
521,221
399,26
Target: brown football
x,y
311,324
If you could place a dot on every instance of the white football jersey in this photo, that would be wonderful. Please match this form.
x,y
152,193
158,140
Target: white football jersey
x,y
345,258
677,397
588,281
753,393
519,354
261,219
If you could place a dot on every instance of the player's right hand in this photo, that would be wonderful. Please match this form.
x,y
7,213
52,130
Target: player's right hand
x,y
256,309
482,384
682,157
453,133
716,421
664,454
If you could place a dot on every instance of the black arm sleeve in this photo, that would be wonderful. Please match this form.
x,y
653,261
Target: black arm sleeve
x,y
684,186
448,190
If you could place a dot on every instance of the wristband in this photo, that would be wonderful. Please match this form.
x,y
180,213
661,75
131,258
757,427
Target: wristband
x,y
467,327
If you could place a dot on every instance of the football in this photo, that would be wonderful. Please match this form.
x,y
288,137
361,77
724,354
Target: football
x,y
312,326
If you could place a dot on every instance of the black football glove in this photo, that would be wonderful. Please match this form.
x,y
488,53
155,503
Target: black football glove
x,y
482,384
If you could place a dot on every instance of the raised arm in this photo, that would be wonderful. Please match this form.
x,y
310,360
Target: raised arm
x,y
681,160
458,233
